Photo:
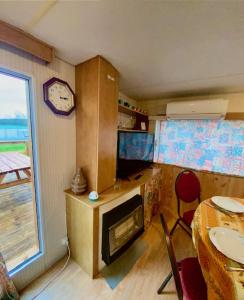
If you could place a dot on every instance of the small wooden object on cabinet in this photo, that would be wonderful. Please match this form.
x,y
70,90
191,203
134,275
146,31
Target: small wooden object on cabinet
x,y
78,183
96,122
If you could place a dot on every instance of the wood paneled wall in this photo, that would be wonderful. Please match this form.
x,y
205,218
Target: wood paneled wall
x,y
211,185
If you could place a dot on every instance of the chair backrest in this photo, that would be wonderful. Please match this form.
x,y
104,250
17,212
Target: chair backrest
x,y
172,258
187,186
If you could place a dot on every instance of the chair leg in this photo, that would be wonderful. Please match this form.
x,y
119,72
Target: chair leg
x,y
165,282
190,234
176,223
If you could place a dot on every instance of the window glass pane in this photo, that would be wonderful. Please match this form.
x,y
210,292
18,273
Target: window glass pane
x,y
18,216
202,145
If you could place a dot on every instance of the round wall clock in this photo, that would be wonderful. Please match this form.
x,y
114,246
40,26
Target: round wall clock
x,y
59,96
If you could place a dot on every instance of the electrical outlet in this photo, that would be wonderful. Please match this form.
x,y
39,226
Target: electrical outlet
x,y
65,241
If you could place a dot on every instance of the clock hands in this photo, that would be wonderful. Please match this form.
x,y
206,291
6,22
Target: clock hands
x,y
64,98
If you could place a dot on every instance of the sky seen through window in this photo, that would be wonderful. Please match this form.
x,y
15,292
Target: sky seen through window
x,y
12,97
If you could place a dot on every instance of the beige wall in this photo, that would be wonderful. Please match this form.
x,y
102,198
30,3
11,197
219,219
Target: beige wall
x,y
56,150
155,107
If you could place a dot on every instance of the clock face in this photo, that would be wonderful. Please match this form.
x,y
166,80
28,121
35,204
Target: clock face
x,y
59,96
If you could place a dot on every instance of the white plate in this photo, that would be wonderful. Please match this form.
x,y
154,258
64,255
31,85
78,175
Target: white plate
x,y
228,203
229,242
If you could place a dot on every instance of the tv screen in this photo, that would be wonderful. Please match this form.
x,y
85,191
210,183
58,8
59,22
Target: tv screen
x,y
135,152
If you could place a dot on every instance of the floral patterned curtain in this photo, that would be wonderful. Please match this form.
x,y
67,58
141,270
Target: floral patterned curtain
x,y
212,145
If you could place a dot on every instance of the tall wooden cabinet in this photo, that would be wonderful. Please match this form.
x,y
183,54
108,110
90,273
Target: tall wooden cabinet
x,y
96,122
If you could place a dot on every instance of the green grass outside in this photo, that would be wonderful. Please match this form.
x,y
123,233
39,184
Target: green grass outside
x,y
8,147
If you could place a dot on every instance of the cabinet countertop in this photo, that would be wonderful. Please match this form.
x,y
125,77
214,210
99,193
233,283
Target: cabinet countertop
x,y
111,194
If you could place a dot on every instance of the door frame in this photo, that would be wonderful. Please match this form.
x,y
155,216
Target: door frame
x,y
32,121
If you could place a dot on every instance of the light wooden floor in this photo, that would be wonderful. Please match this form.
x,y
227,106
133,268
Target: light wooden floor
x,y
141,283
18,240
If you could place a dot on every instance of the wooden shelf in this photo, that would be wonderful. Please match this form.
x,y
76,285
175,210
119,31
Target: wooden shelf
x,y
112,194
129,111
131,130
139,117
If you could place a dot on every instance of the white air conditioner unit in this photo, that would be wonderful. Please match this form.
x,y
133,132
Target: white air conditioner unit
x,y
197,110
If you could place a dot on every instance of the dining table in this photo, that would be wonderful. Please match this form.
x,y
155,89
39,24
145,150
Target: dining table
x,y
224,277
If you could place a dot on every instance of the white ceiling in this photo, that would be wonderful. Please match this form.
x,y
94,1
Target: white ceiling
x,y
161,48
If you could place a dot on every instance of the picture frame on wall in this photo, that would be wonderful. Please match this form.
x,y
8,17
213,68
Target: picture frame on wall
x,y
143,126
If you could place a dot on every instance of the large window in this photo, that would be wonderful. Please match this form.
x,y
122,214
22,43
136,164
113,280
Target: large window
x,y
216,146
19,231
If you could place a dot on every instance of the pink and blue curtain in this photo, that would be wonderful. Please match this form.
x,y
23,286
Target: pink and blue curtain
x,y
216,146
136,146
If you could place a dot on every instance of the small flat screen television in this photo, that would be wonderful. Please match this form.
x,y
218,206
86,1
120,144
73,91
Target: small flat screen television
x,y
134,152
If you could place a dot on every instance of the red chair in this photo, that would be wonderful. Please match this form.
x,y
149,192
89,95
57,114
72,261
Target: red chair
x,y
187,273
187,189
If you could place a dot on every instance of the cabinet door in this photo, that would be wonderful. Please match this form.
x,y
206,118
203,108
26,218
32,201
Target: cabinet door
x,y
87,84
107,136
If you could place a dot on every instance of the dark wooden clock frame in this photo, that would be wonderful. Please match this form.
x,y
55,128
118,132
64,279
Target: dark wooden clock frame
x,y
49,103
